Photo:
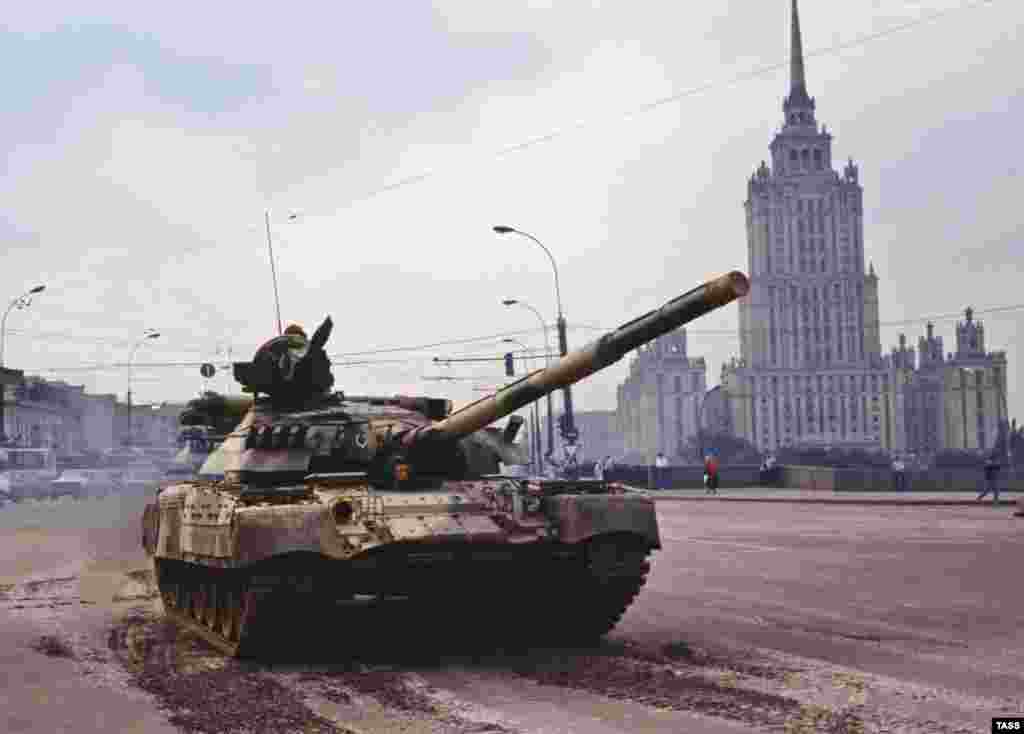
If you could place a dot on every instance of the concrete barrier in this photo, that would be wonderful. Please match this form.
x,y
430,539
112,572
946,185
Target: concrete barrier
x,y
686,477
876,479
823,478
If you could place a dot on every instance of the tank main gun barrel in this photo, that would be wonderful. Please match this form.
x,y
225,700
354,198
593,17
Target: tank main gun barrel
x,y
581,363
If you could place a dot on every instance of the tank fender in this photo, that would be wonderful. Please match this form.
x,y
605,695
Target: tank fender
x,y
583,516
265,532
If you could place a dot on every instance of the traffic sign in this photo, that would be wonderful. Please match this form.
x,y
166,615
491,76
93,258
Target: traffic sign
x,y
207,370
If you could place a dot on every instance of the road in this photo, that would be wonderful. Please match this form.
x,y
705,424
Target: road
x,y
757,616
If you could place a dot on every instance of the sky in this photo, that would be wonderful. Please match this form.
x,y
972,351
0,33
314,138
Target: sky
x,y
144,144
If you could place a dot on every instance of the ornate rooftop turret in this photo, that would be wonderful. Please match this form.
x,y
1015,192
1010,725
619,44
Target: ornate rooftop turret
x,y
970,336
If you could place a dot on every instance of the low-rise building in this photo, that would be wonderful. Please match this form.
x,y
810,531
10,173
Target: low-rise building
x,y
40,413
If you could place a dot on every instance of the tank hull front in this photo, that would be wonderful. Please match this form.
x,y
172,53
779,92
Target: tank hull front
x,y
218,556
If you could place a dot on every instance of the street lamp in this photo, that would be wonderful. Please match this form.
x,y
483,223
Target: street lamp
x,y
21,302
563,343
148,334
535,441
547,362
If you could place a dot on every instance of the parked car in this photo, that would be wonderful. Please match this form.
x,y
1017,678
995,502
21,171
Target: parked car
x,y
81,483
140,479
28,472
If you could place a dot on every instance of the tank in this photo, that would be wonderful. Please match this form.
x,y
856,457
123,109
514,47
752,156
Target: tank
x,y
202,427
329,498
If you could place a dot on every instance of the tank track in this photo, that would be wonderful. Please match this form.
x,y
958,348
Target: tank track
x,y
587,606
233,613
221,607
568,607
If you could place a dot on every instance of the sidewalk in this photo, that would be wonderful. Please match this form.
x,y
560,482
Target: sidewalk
x,y
773,494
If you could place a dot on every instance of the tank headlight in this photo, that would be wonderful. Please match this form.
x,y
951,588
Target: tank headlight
x,y
343,512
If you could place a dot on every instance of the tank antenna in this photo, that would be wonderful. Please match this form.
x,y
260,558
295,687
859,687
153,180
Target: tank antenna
x,y
273,271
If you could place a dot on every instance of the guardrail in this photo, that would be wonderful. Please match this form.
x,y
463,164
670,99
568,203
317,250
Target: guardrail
x,y
868,479
684,477
825,478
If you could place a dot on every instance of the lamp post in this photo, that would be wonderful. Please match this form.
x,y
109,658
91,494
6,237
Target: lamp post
x,y
1010,470
535,441
700,431
148,334
563,343
547,362
21,302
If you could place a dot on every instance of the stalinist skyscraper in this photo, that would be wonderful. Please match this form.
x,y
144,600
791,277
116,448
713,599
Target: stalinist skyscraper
x,y
811,370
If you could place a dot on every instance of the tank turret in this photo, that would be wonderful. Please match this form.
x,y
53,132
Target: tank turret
x,y
300,428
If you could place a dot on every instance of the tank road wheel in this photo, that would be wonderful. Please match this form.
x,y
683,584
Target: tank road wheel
x,y
230,614
211,608
210,594
168,589
195,598
181,601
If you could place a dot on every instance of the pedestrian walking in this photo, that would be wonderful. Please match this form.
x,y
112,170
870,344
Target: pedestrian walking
x,y
608,466
598,470
660,471
991,474
711,474
899,476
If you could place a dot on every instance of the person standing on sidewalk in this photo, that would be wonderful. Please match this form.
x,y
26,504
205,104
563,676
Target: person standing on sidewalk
x,y
899,474
660,471
991,473
711,474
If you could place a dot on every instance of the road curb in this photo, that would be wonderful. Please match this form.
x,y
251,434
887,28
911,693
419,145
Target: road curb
x,y
840,501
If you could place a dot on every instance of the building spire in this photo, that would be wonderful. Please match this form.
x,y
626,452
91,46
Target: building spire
x,y
798,105
797,82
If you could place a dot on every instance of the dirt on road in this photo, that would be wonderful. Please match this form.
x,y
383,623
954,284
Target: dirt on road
x,y
709,647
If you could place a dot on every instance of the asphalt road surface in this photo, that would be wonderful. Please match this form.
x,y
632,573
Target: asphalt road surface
x,y
757,616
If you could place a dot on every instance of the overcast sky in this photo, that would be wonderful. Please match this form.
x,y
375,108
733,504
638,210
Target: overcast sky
x,y
144,142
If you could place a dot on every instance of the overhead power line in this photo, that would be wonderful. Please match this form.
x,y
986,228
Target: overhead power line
x,y
340,361
901,322
750,74
433,345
